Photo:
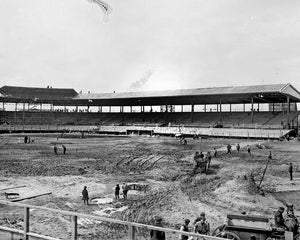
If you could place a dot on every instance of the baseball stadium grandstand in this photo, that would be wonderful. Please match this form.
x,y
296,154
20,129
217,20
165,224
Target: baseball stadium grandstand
x,y
261,111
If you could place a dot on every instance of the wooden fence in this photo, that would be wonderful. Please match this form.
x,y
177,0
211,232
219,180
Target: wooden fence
x,y
131,226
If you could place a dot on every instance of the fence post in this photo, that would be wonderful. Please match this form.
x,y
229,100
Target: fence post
x,y
74,228
26,223
131,232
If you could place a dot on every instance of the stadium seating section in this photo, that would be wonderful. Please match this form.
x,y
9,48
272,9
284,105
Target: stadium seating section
x,y
276,120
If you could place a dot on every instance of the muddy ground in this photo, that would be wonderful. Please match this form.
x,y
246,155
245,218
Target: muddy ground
x,y
100,162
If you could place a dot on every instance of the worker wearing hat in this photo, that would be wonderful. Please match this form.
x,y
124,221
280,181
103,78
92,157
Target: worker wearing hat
x,y
184,228
278,218
202,215
157,234
202,227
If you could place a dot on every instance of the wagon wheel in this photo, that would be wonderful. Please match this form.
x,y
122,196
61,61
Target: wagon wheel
x,y
297,237
228,235
218,230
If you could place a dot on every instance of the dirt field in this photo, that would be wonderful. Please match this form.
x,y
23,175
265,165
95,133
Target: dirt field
x,y
100,162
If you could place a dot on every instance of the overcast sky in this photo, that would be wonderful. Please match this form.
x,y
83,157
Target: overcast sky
x,y
149,44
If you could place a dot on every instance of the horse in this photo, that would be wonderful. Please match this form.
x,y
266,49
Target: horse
x,y
290,221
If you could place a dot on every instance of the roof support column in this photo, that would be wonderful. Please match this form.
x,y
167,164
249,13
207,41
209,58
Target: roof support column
x,y
288,111
41,109
3,106
258,107
230,107
273,107
244,107
204,107
297,122
15,115
23,115
109,109
181,108
166,113
131,109
252,110
122,115
192,112
220,115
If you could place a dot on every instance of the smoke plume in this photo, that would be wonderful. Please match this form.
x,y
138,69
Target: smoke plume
x,y
138,85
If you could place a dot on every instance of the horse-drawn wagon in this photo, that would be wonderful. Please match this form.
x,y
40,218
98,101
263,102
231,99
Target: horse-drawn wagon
x,y
242,227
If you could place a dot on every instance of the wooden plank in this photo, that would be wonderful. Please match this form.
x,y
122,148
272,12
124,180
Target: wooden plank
x,y
25,198
12,188
248,218
39,236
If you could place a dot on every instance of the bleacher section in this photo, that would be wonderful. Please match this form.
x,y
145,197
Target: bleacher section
x,y
267,120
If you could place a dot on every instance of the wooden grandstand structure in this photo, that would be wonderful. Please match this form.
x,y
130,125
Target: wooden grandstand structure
x,y
201,108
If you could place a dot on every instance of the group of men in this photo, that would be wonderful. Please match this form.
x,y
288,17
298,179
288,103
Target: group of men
x,y
238,147
289,223
200,157
125,189
200,226
28,140
55,149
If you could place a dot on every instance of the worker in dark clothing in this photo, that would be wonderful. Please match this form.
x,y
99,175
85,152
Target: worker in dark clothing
x,y
201,155
55,149
125,190
208,155
85,196
25,139
291,171
157,234
202,227
238,147
202,215
117,192
196,156
278,218
270,155
215,152
64,149
228,149
184,228
249,149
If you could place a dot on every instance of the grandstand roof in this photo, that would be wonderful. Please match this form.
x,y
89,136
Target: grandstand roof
x,y
242,94
36,94
274,93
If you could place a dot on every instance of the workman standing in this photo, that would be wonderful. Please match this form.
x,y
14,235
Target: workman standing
x,y
64,149
184,228
85,196
228,149
202,227
157,234
117,192
55,149
278,218
291,171
238,147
